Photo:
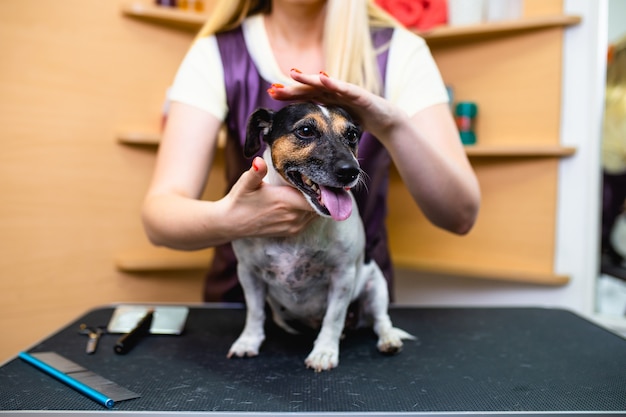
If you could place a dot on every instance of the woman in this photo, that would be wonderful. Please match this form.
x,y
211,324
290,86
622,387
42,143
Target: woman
x,y
263,53
614,149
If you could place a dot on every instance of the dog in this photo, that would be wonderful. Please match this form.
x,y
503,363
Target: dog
x,y
314,276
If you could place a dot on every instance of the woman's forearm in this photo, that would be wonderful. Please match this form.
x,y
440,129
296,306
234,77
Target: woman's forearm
x,y
435,168
185,224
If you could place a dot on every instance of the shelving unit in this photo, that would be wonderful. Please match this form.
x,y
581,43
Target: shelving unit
x,y
138,137
151,258
165,16
150,137
512,70
452,34
489,273
147,138
148,259
499,65
516,151
193,21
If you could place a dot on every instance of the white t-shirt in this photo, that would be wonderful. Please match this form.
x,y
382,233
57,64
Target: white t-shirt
x,y
413,81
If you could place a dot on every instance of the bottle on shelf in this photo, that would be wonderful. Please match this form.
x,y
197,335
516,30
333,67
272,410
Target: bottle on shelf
x,y
465,115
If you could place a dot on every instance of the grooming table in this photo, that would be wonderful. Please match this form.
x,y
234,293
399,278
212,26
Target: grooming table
x,y
466,361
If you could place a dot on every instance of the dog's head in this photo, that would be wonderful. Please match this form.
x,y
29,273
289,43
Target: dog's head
x,y
314,148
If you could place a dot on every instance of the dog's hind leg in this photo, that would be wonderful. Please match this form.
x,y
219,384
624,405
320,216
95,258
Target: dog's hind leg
x,y
375,302
253,333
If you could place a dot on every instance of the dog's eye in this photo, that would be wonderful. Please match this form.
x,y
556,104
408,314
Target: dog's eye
x,y
305,132
352,136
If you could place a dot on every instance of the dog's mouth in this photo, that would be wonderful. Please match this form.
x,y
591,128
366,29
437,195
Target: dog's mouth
x,y
335,202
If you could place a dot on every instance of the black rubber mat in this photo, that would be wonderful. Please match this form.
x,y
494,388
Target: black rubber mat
x,y
465,360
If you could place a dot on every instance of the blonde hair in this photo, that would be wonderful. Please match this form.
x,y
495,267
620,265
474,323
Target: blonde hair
x,y
615,95
616,68
348,49
614,123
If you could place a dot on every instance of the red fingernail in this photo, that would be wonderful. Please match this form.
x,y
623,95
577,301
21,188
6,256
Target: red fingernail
x,y
296,70
271,91
277,85
254,165
324,73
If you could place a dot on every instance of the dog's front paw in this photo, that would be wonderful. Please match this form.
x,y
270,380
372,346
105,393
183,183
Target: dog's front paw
x,y
322,359
245,346
390,341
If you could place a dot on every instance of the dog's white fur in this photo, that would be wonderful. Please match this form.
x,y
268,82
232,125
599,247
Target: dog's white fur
x,y
313,278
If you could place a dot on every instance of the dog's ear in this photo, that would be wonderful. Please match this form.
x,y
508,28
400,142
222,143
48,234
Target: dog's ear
x,y
259,126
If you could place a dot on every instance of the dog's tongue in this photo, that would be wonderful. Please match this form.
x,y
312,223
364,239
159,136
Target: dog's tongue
x,y
337,201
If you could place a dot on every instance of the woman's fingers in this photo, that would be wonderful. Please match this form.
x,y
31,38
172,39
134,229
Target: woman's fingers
x,y
316,87
371,110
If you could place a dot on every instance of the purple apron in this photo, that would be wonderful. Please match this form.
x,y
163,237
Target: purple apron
x,y
246,91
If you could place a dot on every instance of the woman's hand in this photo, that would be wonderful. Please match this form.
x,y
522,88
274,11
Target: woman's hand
x,y
264,210
374,113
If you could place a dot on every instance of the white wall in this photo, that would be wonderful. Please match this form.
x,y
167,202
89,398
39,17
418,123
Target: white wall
x,y
578,205
584,67
617,19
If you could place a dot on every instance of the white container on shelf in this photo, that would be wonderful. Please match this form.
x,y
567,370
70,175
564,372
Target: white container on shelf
x,y
497,10
466,12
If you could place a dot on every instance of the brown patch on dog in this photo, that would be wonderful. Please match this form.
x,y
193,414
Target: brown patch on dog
x,y
285,150
339,124
322,122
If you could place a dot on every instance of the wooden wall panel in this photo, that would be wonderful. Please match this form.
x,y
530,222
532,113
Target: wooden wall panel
x,y
72,73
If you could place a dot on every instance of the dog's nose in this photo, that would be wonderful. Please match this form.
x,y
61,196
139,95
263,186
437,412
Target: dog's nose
x,y
347,171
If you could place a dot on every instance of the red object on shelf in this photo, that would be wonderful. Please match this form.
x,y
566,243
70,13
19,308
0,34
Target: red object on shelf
x,y
417,14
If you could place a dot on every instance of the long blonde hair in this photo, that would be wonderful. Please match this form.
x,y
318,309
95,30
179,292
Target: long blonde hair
x,y
614,123
348,49
615,96
616,68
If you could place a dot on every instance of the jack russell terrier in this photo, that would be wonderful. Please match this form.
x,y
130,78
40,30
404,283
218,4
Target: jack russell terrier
x,y
314,276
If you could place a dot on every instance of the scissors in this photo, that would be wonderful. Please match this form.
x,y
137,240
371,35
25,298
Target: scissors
x,y
94,334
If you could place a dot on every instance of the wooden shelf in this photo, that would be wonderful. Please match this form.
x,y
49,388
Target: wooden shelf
x,y
451,34
482,273
143,138
193,22
146,138
513,151
151,138
166,16
154,259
